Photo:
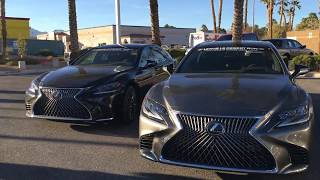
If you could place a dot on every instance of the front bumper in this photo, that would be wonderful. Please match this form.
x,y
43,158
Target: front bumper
x,y
288,147
75,104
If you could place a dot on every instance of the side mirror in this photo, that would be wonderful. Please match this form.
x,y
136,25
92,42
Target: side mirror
x,y
303,46
300,70
151,63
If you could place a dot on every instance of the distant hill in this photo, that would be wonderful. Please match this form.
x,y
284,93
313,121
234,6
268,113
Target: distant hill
x,y
34,33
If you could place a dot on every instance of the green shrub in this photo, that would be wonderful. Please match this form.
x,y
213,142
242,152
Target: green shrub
x,y
177,54
312,62
12,63
46,53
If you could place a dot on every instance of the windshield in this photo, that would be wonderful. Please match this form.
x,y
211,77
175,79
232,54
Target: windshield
x,y
232,60
109,57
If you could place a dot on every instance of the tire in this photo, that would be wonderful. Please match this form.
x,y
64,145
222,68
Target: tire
x,y
130,108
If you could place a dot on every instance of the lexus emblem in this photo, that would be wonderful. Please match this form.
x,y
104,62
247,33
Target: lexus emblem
x,y
216,128
56,95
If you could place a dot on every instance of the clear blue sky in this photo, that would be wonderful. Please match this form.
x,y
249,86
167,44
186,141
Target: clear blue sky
x,y
48,15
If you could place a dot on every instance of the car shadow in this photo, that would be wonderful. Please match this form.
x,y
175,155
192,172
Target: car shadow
x,y
109,129
313,171
17,171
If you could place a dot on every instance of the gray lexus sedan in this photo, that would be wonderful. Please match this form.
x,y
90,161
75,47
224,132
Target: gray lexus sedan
x,y
229,107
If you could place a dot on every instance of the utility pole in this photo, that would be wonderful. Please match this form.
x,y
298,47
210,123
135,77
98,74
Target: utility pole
x,y
118,21
253,13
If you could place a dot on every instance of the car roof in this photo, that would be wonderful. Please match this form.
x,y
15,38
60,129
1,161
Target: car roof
x,y
256,44
276,39
129,46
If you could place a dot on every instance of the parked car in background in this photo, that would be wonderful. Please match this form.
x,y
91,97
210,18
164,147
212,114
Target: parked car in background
x,y
228,107
245,37
289,48
105,83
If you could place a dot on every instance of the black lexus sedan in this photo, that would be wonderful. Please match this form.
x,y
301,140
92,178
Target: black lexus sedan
x,y
229,107
103,84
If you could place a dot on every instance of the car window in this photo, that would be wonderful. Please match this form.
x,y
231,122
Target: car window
x,y
145,56
232,60
297,44
110,56
292,44
277,43
158,56
249,37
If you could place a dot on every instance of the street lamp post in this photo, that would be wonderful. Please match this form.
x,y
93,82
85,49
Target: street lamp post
x,y
118,21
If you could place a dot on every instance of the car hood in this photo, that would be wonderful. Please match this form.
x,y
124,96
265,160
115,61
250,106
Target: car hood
x,y
80,76
226,94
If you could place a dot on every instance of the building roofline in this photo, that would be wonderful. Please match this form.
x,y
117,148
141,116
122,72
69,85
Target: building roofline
x,y
16,18
130,26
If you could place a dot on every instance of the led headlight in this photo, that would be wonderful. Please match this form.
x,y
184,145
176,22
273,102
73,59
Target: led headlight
x,y
154,111
107,88
34,87
299,115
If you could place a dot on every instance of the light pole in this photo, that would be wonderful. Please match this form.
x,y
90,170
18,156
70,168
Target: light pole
x,y
118,21
253,6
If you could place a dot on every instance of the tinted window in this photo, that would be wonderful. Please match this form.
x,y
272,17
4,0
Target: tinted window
x,y
112,57
297,44
249,37
157,55
232,60
225,38
277,43
146,55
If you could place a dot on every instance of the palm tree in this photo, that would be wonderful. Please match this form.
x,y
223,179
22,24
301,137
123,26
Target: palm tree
x,y
155,30
237,20
3,28
220,15
270,7
282,8
74,46
245,14
213,16
294,4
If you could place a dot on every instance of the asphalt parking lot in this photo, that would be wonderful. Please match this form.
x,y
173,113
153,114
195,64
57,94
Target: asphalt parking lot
x,y
41,149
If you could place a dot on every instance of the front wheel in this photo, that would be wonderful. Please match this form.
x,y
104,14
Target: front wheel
x,y
130,106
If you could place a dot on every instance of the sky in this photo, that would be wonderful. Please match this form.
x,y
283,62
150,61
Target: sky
x,y
49,15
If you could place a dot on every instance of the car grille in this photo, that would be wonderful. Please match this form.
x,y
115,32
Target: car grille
x,y
146,142
298,155
234,149
60,103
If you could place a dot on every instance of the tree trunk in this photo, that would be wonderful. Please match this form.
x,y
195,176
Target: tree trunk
x,y
281,13
220,15
245,14
74,46
292,19
270,15
213,16
3,28
155,30
237,20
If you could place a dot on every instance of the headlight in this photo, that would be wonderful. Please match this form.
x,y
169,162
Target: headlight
x,y
34,87
154,111
296,116
107,88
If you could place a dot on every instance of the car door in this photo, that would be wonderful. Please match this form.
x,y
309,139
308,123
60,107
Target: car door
x,y
146,75
161,70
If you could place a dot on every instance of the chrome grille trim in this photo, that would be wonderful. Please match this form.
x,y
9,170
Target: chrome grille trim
x,y
236,150
67,93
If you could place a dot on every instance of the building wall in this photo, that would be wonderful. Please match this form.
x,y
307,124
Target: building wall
x,y
92,37
310,38
17,28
